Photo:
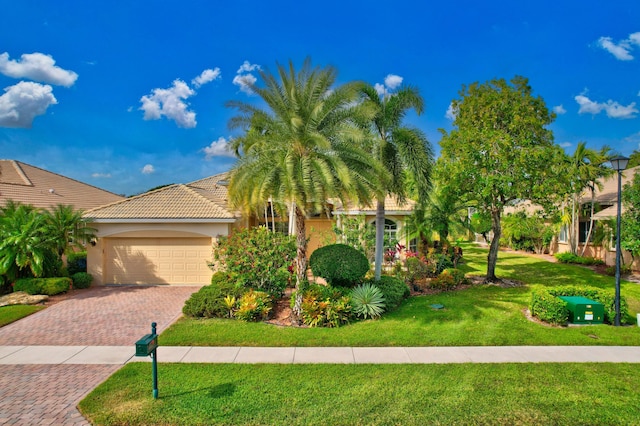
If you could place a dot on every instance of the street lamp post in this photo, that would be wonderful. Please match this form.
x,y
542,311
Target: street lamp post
x,y
618,163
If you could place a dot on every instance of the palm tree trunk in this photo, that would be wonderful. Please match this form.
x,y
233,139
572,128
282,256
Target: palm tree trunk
x,y
492,258
593,202
379,238
301,262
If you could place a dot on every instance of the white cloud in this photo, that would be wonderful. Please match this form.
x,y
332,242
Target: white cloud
x,y
566,144
622,49
612,109
148,169
245,81
101,175
379,88
170,103
21,103
393,81
247,67
37,66
559,109
450,114
206,76
218,148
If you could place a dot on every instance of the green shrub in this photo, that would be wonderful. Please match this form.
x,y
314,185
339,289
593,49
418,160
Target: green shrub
x,y
48,286
458,276
77,262
416,269
254,306
566,257
548,308
443,282
367,301
438,262
325,312
393,289
624,270
81,280
339,264
208,302
607,298
52,266
257,258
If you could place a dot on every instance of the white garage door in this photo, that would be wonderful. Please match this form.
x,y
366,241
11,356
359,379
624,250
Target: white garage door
x,y
157,260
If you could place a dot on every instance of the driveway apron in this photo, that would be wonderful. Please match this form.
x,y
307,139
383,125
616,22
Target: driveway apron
x,y
99,316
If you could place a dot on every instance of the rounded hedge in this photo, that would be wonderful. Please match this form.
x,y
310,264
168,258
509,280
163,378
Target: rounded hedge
x,y
339,264
394,290
48,286
208,302
81,280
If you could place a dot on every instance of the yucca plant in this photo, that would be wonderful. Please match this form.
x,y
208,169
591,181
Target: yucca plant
x,y
367,301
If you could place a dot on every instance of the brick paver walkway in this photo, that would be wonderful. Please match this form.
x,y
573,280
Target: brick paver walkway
x,y
100,316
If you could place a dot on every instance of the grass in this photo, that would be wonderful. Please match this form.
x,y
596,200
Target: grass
x,y
9,314
479,316
492,394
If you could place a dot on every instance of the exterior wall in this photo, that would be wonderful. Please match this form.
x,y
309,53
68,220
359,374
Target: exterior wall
x,y
609,256
319,233
96,261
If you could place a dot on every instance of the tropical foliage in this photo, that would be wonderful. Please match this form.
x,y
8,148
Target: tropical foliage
x,y
301,149
630,227
500,150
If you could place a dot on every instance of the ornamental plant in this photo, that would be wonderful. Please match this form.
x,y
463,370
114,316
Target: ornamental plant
x,y
339,264
368,301
257,258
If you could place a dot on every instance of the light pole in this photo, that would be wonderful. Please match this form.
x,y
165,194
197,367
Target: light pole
x,y
618,163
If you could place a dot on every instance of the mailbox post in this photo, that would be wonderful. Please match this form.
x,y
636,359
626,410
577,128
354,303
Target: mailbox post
x,y
148,345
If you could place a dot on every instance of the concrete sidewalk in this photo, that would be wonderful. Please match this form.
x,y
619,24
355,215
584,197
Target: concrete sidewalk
x,y
120,355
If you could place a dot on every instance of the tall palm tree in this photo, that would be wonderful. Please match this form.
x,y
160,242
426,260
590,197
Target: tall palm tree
x,y
398,148
67,228
301,149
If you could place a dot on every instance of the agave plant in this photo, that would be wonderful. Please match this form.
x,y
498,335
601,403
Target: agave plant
x,y
367,301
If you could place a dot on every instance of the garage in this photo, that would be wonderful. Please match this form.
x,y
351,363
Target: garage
x,y
157,261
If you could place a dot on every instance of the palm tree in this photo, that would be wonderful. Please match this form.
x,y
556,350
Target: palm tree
x,y
445,212
23,241
301,150
398,148
67,228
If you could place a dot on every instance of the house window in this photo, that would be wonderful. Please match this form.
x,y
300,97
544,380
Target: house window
x,y
564,234
583,232
390,233
413,245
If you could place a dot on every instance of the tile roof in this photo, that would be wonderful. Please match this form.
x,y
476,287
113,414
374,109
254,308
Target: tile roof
x,y
608,194
391,204
170,202
28,184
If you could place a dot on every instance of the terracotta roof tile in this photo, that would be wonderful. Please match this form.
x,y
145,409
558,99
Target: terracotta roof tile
x,y
170,202
28,184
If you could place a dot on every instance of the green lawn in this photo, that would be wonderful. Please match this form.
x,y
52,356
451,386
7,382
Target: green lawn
x,y
492,394
9,314
479,316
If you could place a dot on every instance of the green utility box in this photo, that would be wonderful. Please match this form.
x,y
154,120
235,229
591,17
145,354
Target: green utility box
x,y
583,310
146,345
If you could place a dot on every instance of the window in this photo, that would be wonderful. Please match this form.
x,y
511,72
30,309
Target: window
x,y
564,234
390,233
583,231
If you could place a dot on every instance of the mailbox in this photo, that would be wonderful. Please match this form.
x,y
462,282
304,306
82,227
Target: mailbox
x,y
583,310
147,344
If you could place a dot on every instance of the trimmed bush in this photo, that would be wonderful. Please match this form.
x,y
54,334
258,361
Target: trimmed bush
x,y
81,280
444,282
77,262
339,264
48,286
367,301
568,257
393,289
458,276
548,308
209,301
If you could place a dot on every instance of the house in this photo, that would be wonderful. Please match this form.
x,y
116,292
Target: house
x,y
605,199
26,184
166,236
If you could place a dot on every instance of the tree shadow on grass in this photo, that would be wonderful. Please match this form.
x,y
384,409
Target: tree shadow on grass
x,y
214,392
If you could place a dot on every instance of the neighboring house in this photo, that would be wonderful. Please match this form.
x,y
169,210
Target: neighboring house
x,y
606,207
26,184
166,236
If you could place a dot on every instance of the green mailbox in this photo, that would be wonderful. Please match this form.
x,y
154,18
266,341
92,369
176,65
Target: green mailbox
x,y
146,345
583,310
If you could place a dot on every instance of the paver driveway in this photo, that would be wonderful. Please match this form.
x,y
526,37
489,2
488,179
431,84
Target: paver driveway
x,y
100,316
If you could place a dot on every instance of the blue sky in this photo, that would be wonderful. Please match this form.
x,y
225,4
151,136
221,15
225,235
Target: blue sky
x,y
128,95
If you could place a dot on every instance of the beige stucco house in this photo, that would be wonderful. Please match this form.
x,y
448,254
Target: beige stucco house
x,y
166,236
